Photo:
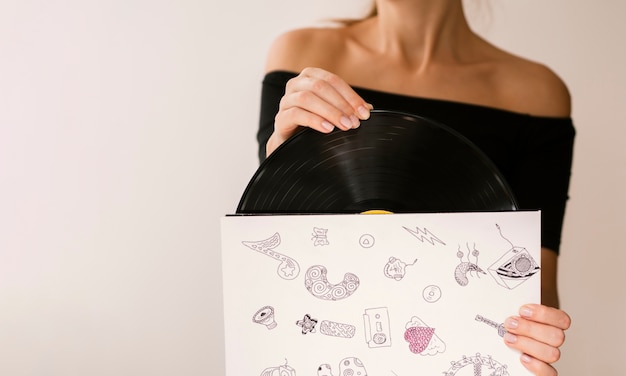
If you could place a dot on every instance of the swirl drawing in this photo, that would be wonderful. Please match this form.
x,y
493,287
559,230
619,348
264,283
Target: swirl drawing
x,y
317,284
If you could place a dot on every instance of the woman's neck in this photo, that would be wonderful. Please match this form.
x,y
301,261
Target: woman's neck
x,y
419,32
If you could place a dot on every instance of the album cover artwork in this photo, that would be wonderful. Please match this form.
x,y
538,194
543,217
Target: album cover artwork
x,y
390,295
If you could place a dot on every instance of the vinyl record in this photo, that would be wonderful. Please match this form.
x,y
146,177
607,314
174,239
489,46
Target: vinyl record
x,y
394,161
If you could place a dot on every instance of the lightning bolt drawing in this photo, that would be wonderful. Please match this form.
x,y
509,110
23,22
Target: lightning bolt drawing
x,y
424,235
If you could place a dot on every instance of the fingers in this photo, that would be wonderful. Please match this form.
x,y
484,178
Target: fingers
x,y
537,367
536,349
335,91
325,96
538,333
546,315
320,100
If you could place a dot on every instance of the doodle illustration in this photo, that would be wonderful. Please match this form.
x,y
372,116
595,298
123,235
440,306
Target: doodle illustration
x,y
285,370
337,329
317,283
493,324
288,268
424,235
479,364
422,338
319,236
396,268
352,367
431,293
307,324
377,327
367,241
347,367
265,316
466,267
515,267
324,370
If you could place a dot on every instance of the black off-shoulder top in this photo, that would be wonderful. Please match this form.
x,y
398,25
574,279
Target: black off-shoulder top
x,y
533,153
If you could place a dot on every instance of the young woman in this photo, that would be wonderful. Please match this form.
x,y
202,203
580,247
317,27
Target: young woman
x,y
421,57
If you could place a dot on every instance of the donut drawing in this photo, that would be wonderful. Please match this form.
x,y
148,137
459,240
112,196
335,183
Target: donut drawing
x,y
317,283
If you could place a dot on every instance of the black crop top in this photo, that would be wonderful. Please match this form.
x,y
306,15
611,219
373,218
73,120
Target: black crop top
x,y
534,154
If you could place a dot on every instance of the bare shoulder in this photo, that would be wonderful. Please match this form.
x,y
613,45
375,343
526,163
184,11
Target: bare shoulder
x,y
301,48
534,87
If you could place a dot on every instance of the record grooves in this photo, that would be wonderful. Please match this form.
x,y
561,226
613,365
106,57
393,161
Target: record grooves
x,y
394,161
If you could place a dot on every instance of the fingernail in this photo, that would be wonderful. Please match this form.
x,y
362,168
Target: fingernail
x,y
371,106
364,113
355,121
510,338
526,358
327,126
511,324
526,312
346,122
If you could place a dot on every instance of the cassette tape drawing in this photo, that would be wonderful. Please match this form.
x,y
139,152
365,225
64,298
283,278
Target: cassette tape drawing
x,y
377,327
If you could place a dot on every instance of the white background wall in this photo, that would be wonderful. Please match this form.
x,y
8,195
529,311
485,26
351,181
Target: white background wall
x,y
127,130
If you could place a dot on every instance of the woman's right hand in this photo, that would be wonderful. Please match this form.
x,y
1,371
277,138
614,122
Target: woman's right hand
x,y
320,100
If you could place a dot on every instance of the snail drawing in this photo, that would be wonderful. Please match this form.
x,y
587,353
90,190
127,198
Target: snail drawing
x,y
466,267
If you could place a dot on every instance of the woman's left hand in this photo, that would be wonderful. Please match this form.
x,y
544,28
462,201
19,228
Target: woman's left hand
x,y
538,333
